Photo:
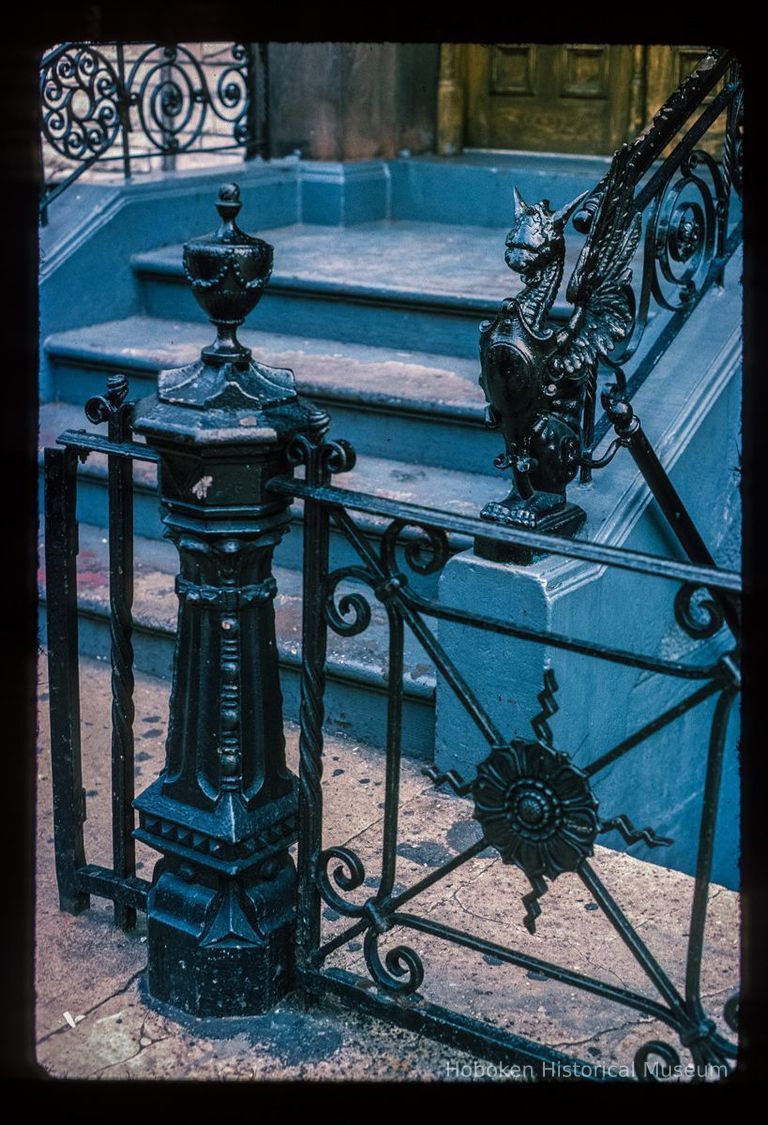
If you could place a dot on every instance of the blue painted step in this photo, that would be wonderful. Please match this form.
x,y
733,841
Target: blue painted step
x,y
406,284
408,406
355,701
463,493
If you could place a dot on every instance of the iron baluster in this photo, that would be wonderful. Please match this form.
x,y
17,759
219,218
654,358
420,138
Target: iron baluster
x,y
125,111
629,430
314,456
63,674
251,121
266,118
394,750
117,413
706,844
588,428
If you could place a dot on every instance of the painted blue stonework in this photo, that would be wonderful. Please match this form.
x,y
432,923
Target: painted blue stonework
x,y
336,194
477,191
86,273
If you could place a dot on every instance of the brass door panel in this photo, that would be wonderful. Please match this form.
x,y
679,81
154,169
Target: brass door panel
x,y
543,98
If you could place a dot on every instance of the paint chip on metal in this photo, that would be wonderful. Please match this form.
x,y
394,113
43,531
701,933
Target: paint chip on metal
x,y
200,489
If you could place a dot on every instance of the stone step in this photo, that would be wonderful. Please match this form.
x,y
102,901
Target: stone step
x,y
410,406
446,489
356,670
400,281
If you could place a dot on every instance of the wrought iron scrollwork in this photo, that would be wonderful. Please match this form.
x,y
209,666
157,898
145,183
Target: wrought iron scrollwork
x,y
349,875
163,102
682,233
655,1048
425,554
81,96
321,457
534,805
696,611
168,90
401,971
112,408
354,603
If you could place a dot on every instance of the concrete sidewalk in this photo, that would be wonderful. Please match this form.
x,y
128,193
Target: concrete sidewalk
x,y
90,974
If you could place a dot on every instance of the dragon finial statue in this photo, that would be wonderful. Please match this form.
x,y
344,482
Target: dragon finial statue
x,y
537,377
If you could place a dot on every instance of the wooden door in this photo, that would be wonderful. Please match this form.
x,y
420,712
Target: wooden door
x,y
542,98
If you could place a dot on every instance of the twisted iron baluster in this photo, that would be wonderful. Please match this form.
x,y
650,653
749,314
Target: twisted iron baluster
x,y
314,643
113,409
320,459
63,669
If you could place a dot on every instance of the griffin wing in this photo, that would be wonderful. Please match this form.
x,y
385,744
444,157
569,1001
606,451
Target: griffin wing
x,y
599,286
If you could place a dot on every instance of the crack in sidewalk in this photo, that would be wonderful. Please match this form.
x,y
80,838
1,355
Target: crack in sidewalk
x,y
602,1031
121,1062
118,992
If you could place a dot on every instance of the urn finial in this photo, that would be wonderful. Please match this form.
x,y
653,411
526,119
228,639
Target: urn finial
x,y
228,271
228,206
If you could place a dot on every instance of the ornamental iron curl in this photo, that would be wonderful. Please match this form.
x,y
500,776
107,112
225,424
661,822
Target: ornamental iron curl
x,y
425,553
670,1060
696,612
348,877
355,603
401,972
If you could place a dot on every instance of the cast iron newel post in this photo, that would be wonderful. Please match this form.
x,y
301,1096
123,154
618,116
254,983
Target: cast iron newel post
x,y
221,910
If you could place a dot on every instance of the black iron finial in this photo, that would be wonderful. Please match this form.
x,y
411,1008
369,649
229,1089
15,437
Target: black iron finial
x,y
228,271
229,206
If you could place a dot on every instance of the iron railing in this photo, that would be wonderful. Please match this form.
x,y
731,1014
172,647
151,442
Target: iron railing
x,y
329,876
530,802
123,103
689,232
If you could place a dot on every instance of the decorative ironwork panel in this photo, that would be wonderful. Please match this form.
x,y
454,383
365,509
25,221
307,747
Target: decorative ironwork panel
x,y
129,103
533,805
